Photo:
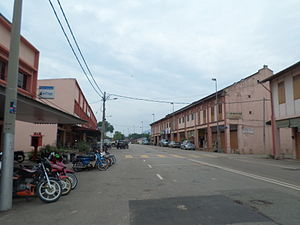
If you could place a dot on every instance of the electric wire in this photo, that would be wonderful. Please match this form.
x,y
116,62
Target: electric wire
x,y
76,43
68,40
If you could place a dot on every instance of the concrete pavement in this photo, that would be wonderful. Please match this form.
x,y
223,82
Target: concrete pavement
x,y
153,185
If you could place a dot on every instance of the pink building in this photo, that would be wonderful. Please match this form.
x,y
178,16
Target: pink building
x,y
29,110
285,87
241,114
66,95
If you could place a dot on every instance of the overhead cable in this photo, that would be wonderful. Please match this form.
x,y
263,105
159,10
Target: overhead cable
x,y
66,36
76,43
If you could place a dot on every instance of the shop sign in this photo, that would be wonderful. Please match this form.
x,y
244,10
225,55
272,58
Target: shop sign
x,y
248,130
46,92
234,115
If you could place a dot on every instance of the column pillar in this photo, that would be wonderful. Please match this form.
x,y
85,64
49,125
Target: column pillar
x,y
209,139
196,136
227,139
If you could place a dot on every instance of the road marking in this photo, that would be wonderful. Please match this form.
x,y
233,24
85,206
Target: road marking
x,y
128,157
177,156
269,180
144,160
144,156
149,166
159,176
211,156
161,156
194,156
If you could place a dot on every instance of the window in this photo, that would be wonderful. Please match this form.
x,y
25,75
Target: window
x,y
281,93
2,70
220,112
192,116
183,119
188,118
296,86
204,116
179,120
89,113
212,113
22,80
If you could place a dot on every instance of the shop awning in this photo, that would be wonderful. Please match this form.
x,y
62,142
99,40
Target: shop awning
x,y
88,131
287,123
33,111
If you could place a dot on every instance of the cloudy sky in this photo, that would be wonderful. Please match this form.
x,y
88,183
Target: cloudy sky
x,y
161,49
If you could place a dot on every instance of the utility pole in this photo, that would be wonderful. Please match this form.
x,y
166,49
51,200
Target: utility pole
x,y
103,122
10,111
142,127
264,123
217,104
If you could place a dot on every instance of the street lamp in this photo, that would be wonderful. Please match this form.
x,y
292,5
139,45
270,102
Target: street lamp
x,y
153,117
217,104
104,99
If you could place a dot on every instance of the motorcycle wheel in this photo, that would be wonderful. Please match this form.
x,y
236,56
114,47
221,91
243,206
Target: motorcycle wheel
x,y
73,179
49,193
102,166
77,166
20,158
66,185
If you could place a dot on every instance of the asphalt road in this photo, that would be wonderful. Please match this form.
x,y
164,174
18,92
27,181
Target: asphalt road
x,y
153,185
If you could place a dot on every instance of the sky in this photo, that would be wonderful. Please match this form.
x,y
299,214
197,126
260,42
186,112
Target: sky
x,y
160,49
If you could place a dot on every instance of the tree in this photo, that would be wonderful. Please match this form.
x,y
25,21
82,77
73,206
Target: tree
x,y
118,135
136,136
108,127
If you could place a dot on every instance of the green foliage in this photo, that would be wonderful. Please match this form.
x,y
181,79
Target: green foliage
x,y
108,127
119,136
83,146
136,136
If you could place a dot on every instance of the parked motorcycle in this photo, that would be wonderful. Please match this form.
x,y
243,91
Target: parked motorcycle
x,y
90,161
36,181
61,169
19,156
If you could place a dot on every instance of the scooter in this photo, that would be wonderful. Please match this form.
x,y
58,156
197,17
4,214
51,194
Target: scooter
x,y
90,161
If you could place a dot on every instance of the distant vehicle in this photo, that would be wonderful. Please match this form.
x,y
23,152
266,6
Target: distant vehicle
x,y
163,143
187,145
122,144
174,144
145,142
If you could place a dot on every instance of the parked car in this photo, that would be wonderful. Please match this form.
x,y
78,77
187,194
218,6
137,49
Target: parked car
x,y
174,144
187,145
122,144
145,142
183,144
163,143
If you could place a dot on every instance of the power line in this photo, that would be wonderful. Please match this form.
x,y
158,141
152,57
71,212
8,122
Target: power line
x,y
66,36
149,100
80,52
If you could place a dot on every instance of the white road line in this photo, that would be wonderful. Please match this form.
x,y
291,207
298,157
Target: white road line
x,y
144,160
149,166
269,180
159,176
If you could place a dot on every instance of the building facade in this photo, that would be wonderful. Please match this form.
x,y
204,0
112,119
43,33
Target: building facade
x,y
285,88
29,109
240,116
66,95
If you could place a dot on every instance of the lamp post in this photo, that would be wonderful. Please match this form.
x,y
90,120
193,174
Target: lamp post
x,y
217,104
104,99
153,117
142,126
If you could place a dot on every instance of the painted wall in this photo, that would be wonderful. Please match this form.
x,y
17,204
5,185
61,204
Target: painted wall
x,y
244,107
24,131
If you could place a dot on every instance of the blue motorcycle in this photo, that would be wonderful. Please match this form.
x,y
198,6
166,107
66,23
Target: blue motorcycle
x,y
89,162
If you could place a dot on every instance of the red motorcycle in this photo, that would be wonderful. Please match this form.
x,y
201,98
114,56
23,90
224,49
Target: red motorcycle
x,y
60,168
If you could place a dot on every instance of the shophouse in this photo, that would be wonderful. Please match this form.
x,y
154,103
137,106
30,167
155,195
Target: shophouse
x,y
66,95
28,108
285,88
240,116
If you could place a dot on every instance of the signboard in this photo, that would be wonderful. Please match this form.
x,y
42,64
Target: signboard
x,y
46,92
248,130
234,115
